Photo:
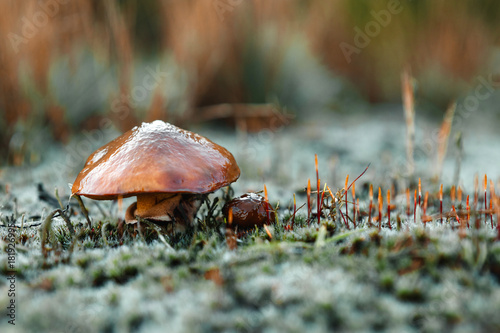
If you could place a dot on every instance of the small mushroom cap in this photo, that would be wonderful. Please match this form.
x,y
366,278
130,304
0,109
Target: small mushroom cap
x,y
249,210
156,157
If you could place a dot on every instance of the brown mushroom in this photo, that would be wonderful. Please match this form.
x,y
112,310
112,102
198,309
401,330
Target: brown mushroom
x,y
249,210
167,168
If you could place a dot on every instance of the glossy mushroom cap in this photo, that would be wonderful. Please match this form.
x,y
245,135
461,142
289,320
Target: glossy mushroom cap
x,y
249,210
156,157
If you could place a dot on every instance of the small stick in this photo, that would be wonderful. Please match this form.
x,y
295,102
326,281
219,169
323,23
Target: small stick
x,y
380,207
485,185
320,208
415,207
370,207
359,176
408,211
389,208
66,220
492,198
340,211
22,226
345,220
357,210
426,197
294,210
444,134
491,210
452,194
441,203
318,204
59,199
419,193
476,191
346,209
476,199
63,215
267,205
322,197
268,232
459,197
468,211
354,205
84,210
407,87
230,217
308,201
497,208
46,226
462,226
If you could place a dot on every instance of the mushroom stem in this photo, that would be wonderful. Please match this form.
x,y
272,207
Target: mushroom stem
x,y
164,207
148,204
130,213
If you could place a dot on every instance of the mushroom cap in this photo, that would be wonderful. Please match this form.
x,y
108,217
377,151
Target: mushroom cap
x,y
156,157
249,210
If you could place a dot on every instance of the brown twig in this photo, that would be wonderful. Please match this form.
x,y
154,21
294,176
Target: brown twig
x,y
318,203
444,134
409,109
84,210
389,208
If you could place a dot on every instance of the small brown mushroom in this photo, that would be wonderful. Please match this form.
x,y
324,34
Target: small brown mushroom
x,y
249,210
167,168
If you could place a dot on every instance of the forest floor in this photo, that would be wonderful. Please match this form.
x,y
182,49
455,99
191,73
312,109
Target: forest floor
x,y
403,275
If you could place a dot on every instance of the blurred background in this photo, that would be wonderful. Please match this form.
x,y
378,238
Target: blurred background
x,y
77,73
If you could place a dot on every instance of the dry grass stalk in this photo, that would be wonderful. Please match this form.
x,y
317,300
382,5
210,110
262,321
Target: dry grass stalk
x,y
468,211
408,209
380,207
452,194
461,233
124,53
419,192
389,208
370,207
318,181
492,199
346,203
497,209
459,196
485,186
426,198
408,87
443,136
308,200
415,207
441,201
354,203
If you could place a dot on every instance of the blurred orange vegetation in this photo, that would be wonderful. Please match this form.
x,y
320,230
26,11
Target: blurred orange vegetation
x,y
214,42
